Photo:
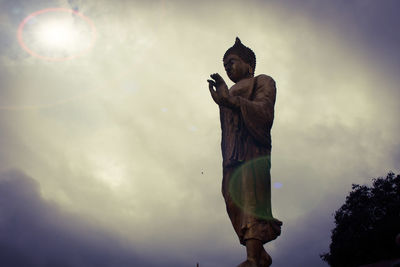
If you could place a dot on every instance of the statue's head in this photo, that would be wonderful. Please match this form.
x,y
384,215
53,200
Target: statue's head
x,y
239,62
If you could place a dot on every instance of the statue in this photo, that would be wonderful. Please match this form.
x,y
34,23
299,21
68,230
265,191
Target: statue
x,y
246,115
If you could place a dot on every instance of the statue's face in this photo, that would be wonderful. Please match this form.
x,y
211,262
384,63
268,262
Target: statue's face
x,y
236,68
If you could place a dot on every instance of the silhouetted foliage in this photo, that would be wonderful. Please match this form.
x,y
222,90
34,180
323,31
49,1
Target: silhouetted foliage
x,y
367,224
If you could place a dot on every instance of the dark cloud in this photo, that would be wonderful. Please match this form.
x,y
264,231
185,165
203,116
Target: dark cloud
x,y
305,238
373,25
34,232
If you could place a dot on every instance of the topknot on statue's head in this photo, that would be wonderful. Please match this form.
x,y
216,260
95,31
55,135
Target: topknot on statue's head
x,y
245,53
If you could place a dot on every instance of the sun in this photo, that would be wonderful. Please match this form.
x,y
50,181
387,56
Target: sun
x,y
56,34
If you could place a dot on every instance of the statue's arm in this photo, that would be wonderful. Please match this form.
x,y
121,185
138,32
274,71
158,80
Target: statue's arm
x,y
258,112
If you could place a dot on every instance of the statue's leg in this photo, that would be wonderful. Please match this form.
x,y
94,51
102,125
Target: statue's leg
x,y
256,255
266,259
252,231
235,213
253,249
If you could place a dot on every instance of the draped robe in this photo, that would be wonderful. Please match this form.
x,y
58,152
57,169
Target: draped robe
x,y
246,149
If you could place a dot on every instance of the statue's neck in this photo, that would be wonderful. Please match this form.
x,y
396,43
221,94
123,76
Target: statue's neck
x,y
245,79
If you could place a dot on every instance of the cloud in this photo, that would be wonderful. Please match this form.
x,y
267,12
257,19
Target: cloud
x,y
369,26
35,232
306,237
129,136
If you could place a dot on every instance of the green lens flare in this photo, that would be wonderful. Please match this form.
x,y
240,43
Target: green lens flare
x,y
250,187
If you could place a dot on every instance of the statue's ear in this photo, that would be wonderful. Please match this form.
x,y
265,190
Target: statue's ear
x,y
251,70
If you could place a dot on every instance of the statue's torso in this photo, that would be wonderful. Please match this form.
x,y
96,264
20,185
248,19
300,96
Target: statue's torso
x,y
237,143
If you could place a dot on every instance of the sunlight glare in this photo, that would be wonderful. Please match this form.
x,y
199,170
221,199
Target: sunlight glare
x,y
59,34
56,34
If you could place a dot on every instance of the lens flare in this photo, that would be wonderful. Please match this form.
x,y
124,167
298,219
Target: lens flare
x,y
250,187
54,36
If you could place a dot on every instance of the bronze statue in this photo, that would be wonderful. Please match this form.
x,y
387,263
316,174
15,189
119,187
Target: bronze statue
x,y
246,115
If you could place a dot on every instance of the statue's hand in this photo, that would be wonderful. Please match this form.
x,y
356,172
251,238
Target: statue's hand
x,y
221,92
214,94
220,85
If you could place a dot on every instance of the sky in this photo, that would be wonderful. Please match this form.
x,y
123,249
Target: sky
x,y
110,142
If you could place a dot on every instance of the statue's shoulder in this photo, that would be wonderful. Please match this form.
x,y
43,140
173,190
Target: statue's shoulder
x,y
263,78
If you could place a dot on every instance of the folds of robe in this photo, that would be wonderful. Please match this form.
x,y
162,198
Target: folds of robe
x,y
246,139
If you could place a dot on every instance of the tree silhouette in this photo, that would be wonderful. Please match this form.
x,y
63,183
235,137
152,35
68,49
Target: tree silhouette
x,y
367,224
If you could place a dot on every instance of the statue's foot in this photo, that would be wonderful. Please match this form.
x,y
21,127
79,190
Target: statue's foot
x,y
266,259
248,263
